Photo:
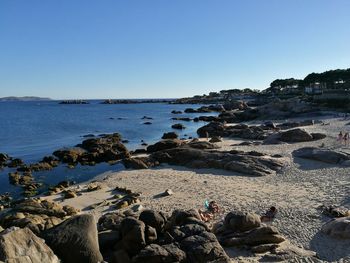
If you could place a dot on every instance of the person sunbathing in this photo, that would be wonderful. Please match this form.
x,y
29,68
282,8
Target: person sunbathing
x,y
269,215
209,214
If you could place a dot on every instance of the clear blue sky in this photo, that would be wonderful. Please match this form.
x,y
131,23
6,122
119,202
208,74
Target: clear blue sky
x,y
165,48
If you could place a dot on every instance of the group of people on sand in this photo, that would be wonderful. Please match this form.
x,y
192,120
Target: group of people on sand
x,y
343,138
213,210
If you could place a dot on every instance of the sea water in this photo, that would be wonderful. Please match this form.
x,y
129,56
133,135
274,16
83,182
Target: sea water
x,y
31,130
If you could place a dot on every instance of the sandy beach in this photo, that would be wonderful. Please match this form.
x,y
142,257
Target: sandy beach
x,y
298,191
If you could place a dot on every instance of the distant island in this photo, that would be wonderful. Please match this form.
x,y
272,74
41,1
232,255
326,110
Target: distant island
x,y
25,98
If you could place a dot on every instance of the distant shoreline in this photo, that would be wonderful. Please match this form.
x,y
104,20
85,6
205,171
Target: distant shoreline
x,y
25,98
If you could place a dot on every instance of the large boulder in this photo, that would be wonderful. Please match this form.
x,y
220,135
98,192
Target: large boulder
x,y
154,253
36,214
254,237
106,148
20,245
235,105
338,228
169,135
164,145
249,163
70,155
184,217
241,222
212,129
323,155
154,219
296,135
110,221
133,236
202,145
227,116
75,240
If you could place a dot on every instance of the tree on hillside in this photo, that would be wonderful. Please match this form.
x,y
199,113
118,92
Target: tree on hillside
x,y
284,82
331,78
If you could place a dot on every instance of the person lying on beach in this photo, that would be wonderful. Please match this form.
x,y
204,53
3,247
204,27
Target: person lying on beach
x,y
209,214
269,215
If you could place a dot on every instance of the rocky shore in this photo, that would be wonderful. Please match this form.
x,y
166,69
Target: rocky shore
x,y
150,212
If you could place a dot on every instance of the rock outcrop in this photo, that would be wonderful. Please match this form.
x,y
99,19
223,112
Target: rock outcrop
x,y
164,145
240,131
152,237
250,163
95,150
245,230
293,136
323,155
22,246
36,215
178,126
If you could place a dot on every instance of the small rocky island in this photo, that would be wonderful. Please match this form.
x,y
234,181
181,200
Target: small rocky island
x,y
74,102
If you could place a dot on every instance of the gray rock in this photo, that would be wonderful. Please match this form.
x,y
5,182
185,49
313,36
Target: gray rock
x,y
110,221
203,248
323,155
246,163
338,228
170,135
75,240
241,222
153,219
178,126
254,237
164,145
20,245
296,135
133,235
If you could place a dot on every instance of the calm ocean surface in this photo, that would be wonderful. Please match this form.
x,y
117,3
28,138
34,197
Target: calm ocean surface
x,y
31,130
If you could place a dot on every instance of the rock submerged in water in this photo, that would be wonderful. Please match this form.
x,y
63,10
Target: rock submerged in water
x,y
169,135
3,159
95,150
178,126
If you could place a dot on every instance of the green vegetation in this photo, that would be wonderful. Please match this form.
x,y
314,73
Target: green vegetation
x,y
285,82
335,79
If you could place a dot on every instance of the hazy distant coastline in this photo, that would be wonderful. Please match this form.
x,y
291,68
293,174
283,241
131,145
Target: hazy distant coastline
x,y
25,98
